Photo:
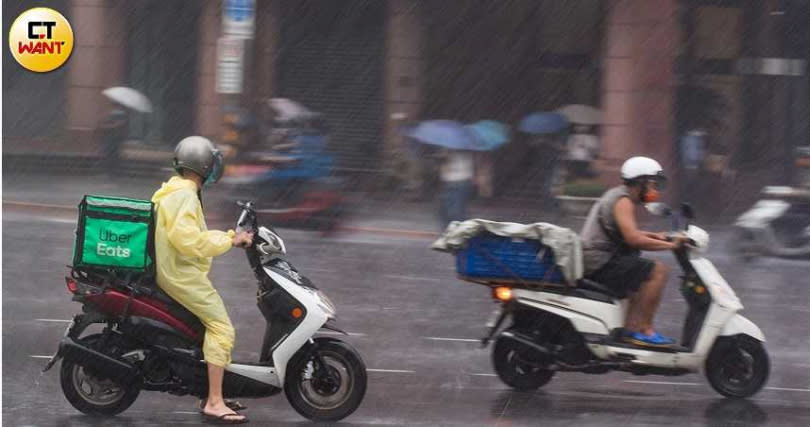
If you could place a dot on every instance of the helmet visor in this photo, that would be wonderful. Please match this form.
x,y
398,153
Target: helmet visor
x,y
658,182
216,169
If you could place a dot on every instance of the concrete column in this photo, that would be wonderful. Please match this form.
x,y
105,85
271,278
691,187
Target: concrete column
x,y
97,62
267,39
638,86
404,65
208,115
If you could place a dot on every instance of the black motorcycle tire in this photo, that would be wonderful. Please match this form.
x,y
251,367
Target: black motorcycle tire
x,y
76,397
512,372
328,349
744,246
728,357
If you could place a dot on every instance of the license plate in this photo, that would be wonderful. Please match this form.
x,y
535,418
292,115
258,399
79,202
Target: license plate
x,y
494,317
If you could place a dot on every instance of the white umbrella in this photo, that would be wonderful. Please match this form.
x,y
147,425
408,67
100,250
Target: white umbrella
x,y
581,114
129,97
288,109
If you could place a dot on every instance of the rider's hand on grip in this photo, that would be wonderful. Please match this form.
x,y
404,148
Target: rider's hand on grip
x,y
242,239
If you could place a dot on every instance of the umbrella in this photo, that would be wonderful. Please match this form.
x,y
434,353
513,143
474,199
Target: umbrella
x,y
288,109
447,133
540,123
129,98
493,134
581,114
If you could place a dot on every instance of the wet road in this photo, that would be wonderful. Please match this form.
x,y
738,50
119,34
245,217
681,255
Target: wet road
x,y
417,328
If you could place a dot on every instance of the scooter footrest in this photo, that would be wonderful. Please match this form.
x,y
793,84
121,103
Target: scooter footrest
x,y
667,349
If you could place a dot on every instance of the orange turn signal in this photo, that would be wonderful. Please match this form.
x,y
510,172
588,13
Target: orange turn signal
x,y
700,290
296,313
502,293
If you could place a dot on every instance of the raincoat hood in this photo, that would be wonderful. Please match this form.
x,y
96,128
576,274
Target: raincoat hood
x,y
175,183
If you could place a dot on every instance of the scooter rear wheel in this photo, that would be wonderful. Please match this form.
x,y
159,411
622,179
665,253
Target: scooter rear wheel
x,y
511,362
737,366
91,394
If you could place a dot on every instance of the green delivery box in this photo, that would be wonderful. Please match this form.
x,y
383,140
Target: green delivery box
x,y
115,233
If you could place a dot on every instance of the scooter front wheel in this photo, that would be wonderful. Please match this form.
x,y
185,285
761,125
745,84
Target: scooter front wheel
x,y
737,366
513,363
329,384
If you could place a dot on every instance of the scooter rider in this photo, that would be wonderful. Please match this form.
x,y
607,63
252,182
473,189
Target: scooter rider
x,y
612,244
184,248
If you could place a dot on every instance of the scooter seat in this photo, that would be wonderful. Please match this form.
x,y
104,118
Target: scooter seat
x,y
597,287
176,309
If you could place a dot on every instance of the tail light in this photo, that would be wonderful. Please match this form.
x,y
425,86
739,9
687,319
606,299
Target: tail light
x,y
71,285
502,293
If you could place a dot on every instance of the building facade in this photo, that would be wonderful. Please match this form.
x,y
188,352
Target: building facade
x,y
361,61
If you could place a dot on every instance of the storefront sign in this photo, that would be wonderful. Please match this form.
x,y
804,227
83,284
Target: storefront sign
x,y
238,18
230,64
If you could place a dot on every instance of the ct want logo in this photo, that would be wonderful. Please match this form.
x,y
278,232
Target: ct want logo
x,y
41,39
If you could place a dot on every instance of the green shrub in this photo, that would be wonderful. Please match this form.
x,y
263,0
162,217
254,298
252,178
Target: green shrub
x,y
584,188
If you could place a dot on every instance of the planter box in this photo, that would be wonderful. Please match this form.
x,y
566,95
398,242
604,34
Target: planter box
x,y
575,206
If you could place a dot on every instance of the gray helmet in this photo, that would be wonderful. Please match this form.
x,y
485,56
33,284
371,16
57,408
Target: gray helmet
x,y
199,155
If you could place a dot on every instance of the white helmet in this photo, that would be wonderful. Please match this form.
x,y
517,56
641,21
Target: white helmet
x,y
637,167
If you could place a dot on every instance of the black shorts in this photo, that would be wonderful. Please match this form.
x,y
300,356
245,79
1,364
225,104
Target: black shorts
x,y
624,273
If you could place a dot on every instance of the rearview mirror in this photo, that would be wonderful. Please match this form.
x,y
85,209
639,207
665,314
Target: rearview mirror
x,y
659,209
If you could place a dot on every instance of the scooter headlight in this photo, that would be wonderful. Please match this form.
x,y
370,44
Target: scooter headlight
x,y
325,303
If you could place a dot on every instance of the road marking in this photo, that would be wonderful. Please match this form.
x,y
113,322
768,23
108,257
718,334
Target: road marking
x,y
484,375
676,383
53,320
186,412
659,382
452,339
787,389
395,371
36,356
414,278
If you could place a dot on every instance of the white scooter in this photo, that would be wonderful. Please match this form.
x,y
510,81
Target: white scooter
x,y
152,343
556,329
778,225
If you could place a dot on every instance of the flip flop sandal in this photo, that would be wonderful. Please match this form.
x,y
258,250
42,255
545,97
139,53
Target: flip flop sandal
x,y
233,405
223,419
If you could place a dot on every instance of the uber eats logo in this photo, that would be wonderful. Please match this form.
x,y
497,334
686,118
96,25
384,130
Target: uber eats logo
x,y
110,244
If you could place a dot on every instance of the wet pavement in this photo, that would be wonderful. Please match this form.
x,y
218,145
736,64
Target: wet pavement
x,y
416,326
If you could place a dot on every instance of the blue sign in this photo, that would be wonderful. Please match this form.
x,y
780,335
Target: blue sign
x,y
239,10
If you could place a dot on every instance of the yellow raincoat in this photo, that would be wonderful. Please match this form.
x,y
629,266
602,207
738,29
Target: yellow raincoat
x,y
184,247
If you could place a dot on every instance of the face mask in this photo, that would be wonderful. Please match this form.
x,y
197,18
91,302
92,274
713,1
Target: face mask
x,y
651,195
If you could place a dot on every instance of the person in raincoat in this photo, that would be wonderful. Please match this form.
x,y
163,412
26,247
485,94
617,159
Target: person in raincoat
x,y
184,248
114,129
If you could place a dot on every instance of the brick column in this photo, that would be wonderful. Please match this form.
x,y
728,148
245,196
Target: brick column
x,y
208,116
404,65
638,87
267,39
96,63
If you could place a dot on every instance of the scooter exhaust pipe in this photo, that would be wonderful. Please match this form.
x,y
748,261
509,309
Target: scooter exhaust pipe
x,y
100,364
527,342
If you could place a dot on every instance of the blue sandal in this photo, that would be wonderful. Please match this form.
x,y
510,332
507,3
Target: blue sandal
x,y
644,340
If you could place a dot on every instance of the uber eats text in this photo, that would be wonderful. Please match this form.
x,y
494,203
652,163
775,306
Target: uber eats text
x,y
105,249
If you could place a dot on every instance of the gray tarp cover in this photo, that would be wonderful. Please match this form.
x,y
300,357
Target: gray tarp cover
x,y
563,241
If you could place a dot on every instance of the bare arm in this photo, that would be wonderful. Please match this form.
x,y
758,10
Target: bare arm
x,y
625,216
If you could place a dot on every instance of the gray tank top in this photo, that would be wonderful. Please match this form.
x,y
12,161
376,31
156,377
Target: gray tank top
x,y
601,238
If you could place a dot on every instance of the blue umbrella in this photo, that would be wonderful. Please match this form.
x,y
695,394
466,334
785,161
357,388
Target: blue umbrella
x,y
493,134
540,123
448,134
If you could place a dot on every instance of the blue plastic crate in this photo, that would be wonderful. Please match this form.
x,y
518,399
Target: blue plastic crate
x,y
488,256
